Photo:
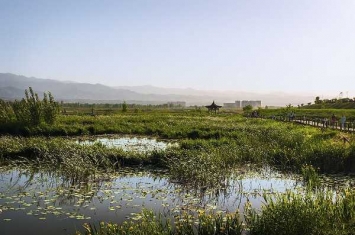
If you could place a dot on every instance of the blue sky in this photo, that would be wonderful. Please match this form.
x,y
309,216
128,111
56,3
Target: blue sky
x,y
249,45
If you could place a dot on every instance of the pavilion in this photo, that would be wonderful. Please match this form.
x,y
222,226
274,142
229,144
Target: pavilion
x,y
213,107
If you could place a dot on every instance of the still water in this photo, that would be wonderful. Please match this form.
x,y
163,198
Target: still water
x,y
41,202
138,144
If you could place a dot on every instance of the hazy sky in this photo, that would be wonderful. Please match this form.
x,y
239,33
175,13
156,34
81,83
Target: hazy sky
x,y
264,45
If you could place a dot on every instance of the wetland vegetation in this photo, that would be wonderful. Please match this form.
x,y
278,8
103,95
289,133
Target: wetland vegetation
x,y
81,173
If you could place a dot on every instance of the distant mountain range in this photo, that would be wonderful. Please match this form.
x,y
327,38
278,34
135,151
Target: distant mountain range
x,y
12,87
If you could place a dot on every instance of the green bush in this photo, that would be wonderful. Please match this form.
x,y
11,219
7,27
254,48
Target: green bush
x,y
30,111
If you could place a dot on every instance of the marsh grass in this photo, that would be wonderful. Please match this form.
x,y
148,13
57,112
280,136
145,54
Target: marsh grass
x,y
67,156
149,223
315,212
290,213
310,177
313,113
210,146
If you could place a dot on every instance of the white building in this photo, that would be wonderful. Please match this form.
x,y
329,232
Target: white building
x,y
253,103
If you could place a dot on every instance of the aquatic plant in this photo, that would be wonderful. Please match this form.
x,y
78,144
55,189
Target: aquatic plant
x,y
214,144
66,155
316,212
149,223
310,176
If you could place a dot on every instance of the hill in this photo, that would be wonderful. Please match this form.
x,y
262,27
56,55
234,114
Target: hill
x,y
12,87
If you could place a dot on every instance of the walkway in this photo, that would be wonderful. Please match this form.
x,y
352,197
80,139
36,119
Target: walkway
x,y
318,122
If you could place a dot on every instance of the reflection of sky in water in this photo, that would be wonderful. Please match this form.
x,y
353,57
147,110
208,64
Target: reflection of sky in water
x,y
50,204
130,143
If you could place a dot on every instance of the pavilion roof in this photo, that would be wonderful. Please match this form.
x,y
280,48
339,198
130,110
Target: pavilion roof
x,y
213,105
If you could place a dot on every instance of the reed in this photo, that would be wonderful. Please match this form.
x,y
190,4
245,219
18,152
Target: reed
x,y
310,177
315,212
209,146
149,223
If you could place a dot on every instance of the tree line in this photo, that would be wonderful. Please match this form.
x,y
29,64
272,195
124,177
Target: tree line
x,y
333,101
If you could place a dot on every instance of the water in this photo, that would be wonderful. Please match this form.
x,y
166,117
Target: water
x,y
47,203
138,144
42,202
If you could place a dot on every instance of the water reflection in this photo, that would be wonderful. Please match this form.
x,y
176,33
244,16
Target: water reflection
x,y
137,144
32,196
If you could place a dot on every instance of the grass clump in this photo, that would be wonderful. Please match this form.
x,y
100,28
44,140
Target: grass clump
x,y
291,213
68,156
316,212
148,223
310,177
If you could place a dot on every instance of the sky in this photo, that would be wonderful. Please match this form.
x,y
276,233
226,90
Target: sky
x,y
248,45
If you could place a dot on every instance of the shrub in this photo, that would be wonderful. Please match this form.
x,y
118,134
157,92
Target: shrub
x,y
50,108
30,111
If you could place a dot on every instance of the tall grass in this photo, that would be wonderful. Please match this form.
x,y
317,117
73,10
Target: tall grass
x,y
290,213
67,156
316,212
315,112
210,146
310,177
149,223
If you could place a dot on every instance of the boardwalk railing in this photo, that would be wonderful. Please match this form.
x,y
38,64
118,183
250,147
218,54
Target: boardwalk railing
x,y
348,126
317,122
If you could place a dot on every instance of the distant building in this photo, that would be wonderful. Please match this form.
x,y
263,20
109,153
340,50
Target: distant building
x,y
177,104
241,104
253,103
229,105
237,104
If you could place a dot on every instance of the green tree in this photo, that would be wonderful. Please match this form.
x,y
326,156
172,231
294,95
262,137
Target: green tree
x,y
34,106
124,107
32,111
247,108
289,106
261,111
50,108
6,112
317,100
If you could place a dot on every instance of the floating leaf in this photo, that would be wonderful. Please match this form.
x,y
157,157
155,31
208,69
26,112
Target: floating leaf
x,y
137,217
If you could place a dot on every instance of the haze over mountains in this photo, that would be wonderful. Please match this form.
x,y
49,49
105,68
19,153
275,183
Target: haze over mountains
x,y
12,87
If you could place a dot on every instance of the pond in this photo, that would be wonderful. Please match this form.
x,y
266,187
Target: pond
x,y
47,203
137,144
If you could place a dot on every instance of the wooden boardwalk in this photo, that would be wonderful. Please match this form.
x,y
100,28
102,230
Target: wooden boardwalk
x,y
318,122
348,126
